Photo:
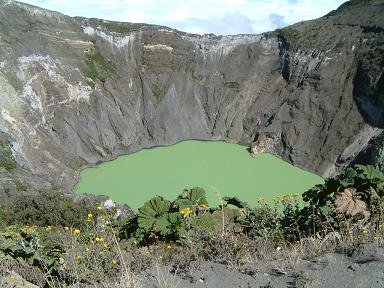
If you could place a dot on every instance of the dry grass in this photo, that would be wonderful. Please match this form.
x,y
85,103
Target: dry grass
x,y
164,278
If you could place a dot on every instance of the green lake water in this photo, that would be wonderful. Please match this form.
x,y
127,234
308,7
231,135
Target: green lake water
x,y
218,167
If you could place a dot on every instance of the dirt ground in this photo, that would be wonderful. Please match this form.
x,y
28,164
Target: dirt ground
x,y
364,269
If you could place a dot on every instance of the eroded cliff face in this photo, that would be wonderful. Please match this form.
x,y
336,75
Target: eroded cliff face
x,y
77,91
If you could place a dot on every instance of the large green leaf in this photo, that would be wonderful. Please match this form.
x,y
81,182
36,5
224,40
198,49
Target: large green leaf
x,y
4,256
161,225
177,226
380,189
371,173
175,218
151,210
7,243
191,197
325,210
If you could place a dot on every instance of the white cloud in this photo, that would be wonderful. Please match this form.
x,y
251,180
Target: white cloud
x,y
199,16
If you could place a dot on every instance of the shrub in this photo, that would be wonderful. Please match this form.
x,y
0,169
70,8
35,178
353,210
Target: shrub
x,y
48,208
97,67
6,158
290,37
356,194
20,187
160,219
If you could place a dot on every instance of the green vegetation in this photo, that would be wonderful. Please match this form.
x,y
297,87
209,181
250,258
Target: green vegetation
x,y
371,63
159,92
24,245
97,67
162,220
339,45
349,5
6,190
46,208
289,36
176,65
20,187
6,158
122,28
62,254
119,27
276,71
232,85
357,192
87,245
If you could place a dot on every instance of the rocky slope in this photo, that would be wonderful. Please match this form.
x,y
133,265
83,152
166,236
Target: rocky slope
x,y
76,91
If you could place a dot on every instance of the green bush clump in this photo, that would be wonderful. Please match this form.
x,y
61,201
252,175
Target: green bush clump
x,y
20,187
97,67
23,244
232,85
349,5
6,158
289,36
48,208
356,194
160,219
159,92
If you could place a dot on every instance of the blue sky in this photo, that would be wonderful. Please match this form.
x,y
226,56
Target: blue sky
x,y
198,16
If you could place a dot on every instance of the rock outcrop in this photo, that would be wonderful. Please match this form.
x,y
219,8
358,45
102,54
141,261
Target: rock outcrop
x,y
76,91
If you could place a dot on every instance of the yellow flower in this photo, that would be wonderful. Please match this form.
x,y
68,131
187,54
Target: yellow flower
x,y
169,247
114,261
90,217
99,207
277,200
78,257
30,229
101,252
186,212
87,249
161,257
99,239
365,231
286,199
76,231
261,201
376,237
48,229
106,245
66,228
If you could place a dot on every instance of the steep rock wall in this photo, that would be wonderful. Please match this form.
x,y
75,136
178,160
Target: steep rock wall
x,y
76,91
